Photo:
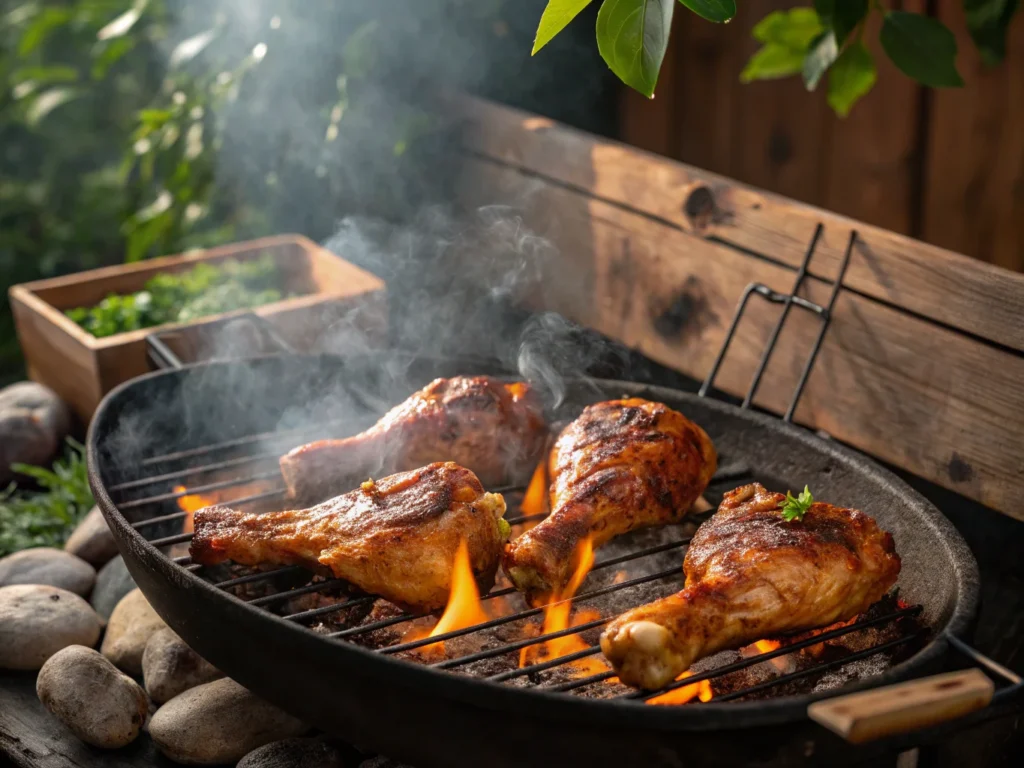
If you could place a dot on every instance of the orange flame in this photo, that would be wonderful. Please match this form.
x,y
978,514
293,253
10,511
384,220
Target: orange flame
x,y
464,608
767,646
535,500
699,690
557,618
191,504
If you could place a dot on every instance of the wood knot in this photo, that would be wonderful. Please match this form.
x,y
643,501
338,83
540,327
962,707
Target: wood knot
x,y
687,313
700,207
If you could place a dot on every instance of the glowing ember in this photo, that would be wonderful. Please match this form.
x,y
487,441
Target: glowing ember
x,y
699,690
767,646
191,504
535,500
557,618
464,608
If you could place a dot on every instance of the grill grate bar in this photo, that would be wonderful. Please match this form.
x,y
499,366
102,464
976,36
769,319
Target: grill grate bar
x,y
784,651
384,623
200,489
824,667
167,541
274,437
742,663
325,609
490,653
501,620
583,682
297,592
545,665
190,471
288,569
233,502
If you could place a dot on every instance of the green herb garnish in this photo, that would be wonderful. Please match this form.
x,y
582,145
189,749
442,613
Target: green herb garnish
x,y
796,508
45,518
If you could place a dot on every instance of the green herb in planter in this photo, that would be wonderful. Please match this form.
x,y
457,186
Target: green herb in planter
x,y
46,518
177,297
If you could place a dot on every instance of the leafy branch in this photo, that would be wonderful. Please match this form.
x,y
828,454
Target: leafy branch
x,y
46,518
826,39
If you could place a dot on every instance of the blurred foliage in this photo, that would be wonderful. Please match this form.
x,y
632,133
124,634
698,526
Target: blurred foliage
x,y
46,517
133,128
178,297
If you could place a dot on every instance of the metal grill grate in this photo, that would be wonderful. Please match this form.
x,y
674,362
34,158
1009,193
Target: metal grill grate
x,y
204,468
159,498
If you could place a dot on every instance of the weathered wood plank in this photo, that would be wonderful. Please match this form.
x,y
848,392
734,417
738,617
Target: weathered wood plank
x,y
873,165
934,283
938,403
780,132
974,195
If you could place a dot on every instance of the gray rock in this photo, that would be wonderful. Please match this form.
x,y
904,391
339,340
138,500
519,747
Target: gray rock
x,y
170,667
112,583
295,753
131,625
33,424
36,621
92,540
219,722
46,565
100,705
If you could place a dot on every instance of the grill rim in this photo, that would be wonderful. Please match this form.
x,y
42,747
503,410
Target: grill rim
x,y
481,693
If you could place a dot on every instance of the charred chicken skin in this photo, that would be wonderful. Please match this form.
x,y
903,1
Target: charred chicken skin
x,y
750,574
396,537
622,465
492,427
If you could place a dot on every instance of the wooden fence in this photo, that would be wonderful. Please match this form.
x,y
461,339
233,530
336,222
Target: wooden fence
x,y
944,166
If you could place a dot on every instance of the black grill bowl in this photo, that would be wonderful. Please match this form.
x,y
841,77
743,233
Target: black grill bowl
x,y
435,718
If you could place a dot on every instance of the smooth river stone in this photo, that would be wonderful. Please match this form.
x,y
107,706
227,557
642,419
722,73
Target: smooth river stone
x,y
46,565
36,621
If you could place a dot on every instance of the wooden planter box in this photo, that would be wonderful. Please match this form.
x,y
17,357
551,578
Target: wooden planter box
x,y
82,368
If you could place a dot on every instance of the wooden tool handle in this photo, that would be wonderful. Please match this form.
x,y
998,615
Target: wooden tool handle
x,y
869,715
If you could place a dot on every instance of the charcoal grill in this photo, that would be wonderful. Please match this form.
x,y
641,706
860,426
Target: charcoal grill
x,y
221,426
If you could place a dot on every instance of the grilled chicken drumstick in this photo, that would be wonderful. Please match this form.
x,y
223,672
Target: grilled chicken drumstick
x,y
396,537
494,428
751,574
622,465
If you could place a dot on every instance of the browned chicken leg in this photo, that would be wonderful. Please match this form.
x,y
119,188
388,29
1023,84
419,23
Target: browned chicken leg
x,y
622,465
750,574
396,537
491,427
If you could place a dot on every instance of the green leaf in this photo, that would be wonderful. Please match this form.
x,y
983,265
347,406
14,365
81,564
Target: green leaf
x,y
842,16
823,52
772,62
987,21
632,36
191,47
109,54
44,75
122,24
850,78
794,29
923,48
712,10
46,102
796,508
555,18
42,25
